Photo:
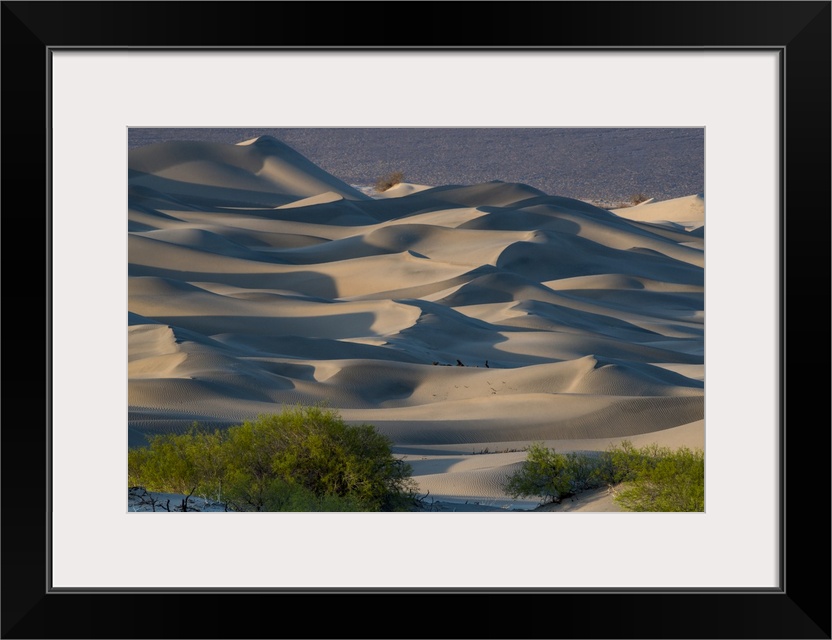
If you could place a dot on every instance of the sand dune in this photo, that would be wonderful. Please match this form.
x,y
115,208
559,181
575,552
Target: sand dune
x,y
686,213
457,319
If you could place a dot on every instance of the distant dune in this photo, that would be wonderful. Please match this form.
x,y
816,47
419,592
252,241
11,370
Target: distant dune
x,y
258,280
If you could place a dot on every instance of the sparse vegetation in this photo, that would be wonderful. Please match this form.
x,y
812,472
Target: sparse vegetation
x,y
665,480
487,450
651,478
302,459
389,180
632,201
545,473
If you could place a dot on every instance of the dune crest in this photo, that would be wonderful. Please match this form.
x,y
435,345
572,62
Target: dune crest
x,y
260,171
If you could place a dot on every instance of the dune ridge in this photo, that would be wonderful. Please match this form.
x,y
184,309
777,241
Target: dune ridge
x,y
447,316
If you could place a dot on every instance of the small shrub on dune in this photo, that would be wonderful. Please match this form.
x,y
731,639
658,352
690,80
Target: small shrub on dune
x,y
651,478
548,474
619,464
673,481
389,180
632,201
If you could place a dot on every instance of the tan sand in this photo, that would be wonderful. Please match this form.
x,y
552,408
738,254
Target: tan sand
x,y
257,280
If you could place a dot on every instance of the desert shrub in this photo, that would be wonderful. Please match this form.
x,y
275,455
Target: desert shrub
x,y
672,481
649,478
582,468
302,459
285,496
619,463
545,473
389,180
638,198
136,463
178,463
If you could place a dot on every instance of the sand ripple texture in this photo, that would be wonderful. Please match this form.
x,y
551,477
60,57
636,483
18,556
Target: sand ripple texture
x,y
454,318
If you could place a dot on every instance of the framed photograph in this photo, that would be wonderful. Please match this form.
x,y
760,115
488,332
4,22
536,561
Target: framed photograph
x,y
84,81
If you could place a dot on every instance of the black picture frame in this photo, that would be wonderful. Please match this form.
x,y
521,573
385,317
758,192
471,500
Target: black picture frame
x,y
799,608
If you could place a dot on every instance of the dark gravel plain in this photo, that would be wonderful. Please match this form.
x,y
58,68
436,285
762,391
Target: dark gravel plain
x,y
607,166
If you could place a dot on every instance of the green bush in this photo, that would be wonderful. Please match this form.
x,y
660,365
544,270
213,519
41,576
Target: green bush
x,y
671,481
284,496
551,475
622,463
302,459
651,478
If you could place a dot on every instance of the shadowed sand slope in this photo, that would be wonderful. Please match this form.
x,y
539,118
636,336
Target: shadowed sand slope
x,y
455,318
